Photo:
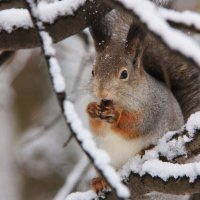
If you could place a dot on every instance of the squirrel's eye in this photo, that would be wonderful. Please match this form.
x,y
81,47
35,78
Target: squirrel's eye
x,y
124,74
92,72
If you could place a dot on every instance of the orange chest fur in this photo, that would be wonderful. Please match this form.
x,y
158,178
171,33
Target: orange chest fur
x,y
126,126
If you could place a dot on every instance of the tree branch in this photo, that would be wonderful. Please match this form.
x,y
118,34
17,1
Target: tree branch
x,y
7,4
144,184
186,20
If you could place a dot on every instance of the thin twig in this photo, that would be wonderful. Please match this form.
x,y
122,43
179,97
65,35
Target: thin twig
x,y
68,140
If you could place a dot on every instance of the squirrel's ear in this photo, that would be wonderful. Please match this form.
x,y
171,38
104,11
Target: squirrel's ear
x,y
96,14
101,33
135,37
135,43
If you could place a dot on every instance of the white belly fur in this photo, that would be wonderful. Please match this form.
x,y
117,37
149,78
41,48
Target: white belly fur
x,y
121,149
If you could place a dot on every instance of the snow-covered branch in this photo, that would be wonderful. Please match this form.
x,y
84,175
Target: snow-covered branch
x,y
47,12
18,32
187,19
98,157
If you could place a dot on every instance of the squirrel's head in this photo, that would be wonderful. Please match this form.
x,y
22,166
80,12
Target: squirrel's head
x,y
118,66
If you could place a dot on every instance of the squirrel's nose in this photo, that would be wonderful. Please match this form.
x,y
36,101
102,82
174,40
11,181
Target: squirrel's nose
x,y
104,95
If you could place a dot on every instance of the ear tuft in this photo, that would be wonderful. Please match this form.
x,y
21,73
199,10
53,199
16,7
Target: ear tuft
x,y
134,32
101,33
96,12
135,44
135,36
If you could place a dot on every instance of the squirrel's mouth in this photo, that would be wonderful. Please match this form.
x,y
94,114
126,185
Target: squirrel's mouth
x,y
105,103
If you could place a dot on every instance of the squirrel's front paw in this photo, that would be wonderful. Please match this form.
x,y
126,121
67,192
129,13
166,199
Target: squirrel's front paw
x,y
93,109
98,185
109,114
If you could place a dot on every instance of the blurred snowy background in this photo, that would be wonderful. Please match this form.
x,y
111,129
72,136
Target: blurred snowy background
x,y
34,162
35,165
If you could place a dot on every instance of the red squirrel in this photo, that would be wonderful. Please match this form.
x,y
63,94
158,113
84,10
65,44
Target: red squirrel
x,y
130,109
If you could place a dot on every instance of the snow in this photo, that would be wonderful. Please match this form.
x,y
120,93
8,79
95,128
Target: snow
x,y
58,80
89,195
49,50
14,18
172,148
165,170
187,17
193,123
49,12
156,23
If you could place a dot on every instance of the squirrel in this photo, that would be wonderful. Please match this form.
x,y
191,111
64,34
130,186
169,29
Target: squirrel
x,y
131,109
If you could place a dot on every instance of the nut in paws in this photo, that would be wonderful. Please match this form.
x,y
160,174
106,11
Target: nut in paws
x,y
109,114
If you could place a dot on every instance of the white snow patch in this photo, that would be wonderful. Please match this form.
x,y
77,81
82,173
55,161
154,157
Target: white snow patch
x,y
193,123
174,147
47,42
49,12
89,195
58,80
164,170
14,18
